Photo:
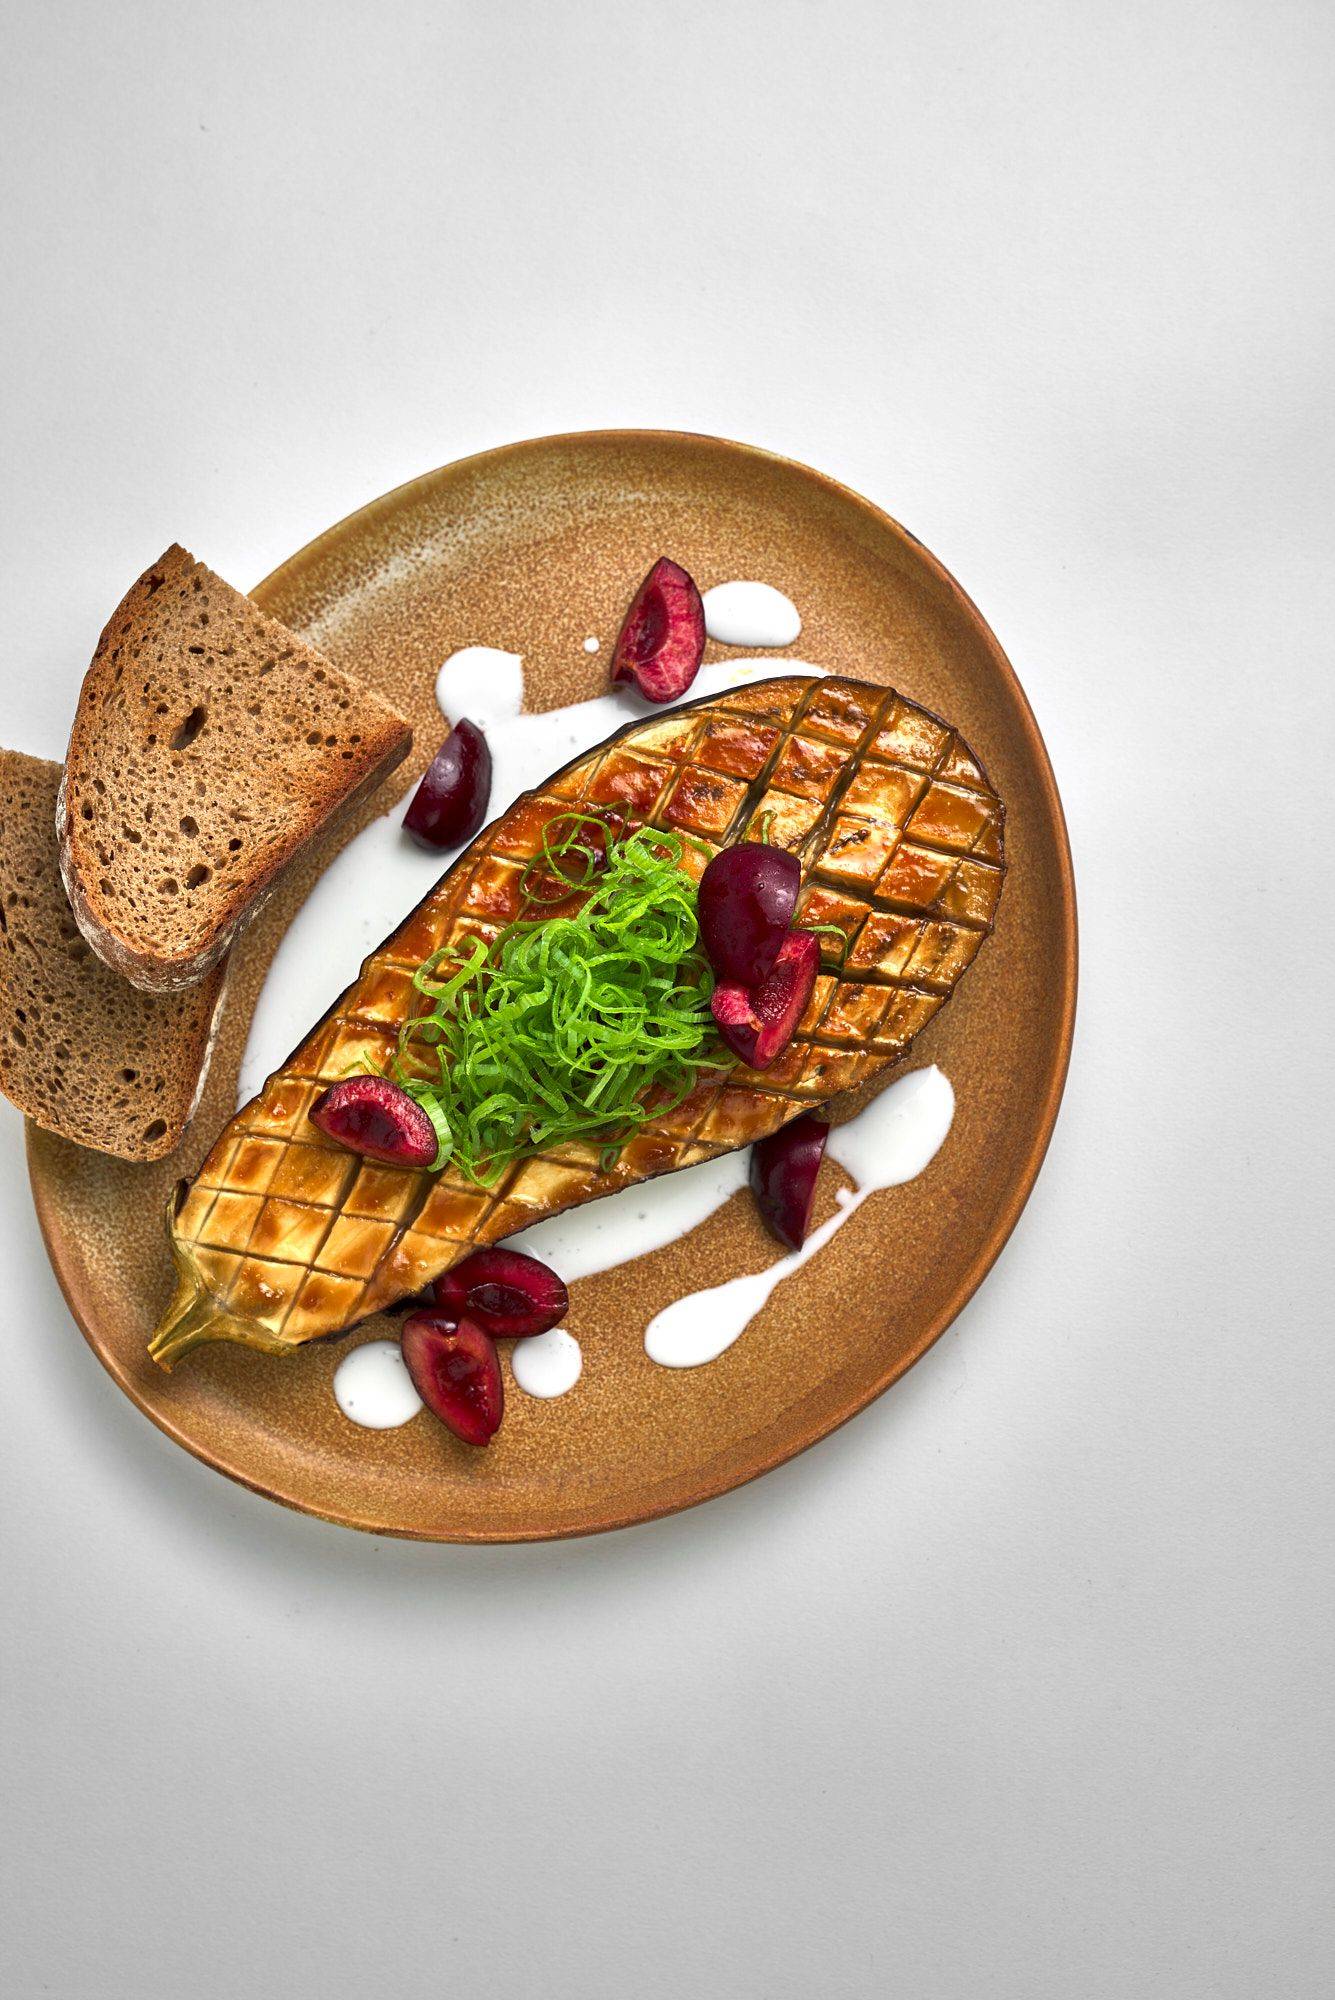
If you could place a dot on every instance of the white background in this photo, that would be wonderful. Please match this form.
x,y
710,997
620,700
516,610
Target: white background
x,y
1021,1685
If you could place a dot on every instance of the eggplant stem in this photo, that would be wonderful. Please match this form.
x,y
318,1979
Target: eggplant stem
x,y
190,1320
195,1317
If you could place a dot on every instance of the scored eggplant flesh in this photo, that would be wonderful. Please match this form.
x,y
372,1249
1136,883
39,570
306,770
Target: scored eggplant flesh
x,y
284,1236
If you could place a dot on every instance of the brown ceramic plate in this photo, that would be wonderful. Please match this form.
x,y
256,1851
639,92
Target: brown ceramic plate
x,y
531,548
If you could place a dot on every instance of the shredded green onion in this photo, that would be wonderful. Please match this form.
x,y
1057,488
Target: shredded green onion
x,y
564,1025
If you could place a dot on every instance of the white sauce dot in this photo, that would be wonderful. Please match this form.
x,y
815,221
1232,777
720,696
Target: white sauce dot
x,y
591,644
373,1388
546,1364
750,614
485,683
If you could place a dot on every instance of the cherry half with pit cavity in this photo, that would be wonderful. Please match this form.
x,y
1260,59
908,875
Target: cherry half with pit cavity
x,y
509,1294
457,1372
745,904
783,1172
758,1022
450,804
372,1116
662,638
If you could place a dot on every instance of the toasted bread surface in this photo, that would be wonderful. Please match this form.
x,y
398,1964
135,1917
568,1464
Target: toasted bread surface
x,y
210,744
82,1052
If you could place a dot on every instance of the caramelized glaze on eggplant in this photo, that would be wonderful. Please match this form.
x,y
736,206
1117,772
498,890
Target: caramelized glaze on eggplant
x,y
285,1236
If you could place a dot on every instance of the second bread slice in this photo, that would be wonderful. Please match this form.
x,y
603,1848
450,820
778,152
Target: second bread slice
x,y
210,744
81,1052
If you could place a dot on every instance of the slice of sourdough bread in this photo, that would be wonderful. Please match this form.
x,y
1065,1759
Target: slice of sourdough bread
x,y
83,1052
210,744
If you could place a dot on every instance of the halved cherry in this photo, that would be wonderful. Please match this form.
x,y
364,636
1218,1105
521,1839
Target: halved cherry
x,y
783,1175
457,1373
371,1115
506,1292
745,903
662,639
758,1022
451,802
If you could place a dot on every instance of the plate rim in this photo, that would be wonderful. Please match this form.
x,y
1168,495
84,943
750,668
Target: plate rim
x,y
1021,1188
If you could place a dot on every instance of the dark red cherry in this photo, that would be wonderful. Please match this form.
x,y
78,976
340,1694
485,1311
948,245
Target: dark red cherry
x,y
784,1168
508,1293
451,802
758,1022
371,1115
745,903
662,639
457,1373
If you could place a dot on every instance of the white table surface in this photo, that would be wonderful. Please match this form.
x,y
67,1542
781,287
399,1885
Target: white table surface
x,y
1020,1685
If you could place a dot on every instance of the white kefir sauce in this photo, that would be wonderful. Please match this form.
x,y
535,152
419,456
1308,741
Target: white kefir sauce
x,y
639,1219
591,644
546,1364
750,614
373,1388
889,1143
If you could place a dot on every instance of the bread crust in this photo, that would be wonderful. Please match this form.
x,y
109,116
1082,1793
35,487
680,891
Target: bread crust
x,y
185,652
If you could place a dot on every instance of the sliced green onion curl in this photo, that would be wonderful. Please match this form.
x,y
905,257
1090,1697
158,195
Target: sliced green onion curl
x,y
565,1024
